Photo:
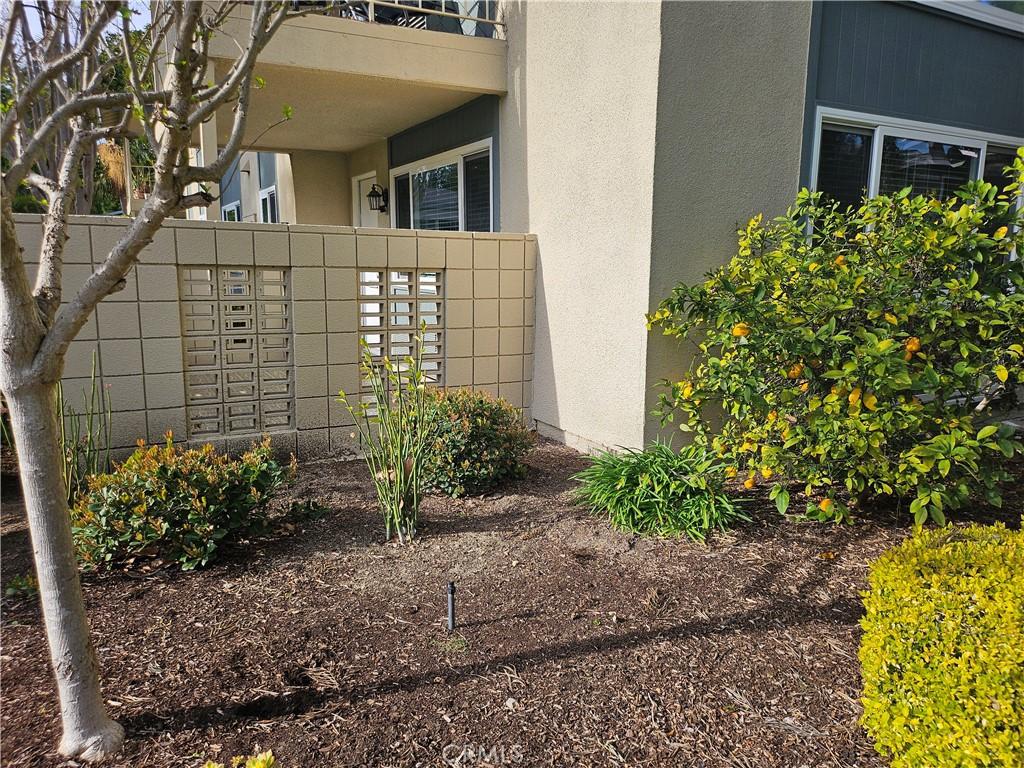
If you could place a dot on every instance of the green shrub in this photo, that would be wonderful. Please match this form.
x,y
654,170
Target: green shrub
x,y
261,760
865,358
395,430
479,442
943,649
22,586
176,504
659,491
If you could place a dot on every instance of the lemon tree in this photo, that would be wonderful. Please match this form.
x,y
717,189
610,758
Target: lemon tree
x,y
861,352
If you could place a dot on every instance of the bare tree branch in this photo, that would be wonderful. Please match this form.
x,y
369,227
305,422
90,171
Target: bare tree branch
x,y
57,67
55,225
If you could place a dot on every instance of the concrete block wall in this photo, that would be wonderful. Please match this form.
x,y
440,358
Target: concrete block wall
x,y
487,322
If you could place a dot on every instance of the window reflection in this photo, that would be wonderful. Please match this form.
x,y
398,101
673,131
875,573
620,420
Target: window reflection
x,y
929,168
435,198
843,164
997,159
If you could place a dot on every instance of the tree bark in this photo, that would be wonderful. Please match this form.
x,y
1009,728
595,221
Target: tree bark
x,y
88,733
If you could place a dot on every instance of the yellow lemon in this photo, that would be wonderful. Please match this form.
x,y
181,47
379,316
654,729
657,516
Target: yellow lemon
x,y
795,371
741,329
825,505
913,344
748,483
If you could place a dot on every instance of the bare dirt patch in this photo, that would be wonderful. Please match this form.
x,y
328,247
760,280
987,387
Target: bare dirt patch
x,y
576,645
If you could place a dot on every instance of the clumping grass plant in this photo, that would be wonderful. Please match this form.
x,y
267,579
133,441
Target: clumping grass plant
x,y
659,491
395,430
85,436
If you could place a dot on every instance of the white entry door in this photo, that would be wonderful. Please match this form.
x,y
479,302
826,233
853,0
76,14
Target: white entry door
x,y
367,217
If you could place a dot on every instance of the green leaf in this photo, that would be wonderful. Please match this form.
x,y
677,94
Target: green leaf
x,y
781,497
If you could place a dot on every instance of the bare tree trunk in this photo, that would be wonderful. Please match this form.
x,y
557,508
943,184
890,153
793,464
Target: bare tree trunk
x,y
88,733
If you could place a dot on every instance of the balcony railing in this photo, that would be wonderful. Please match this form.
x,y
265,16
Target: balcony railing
x,y
475,18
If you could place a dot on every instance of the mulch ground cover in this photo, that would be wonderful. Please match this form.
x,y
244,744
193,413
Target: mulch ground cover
x,y
575,645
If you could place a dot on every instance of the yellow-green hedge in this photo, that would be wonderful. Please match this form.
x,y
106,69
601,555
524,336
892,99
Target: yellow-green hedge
x,y
943,649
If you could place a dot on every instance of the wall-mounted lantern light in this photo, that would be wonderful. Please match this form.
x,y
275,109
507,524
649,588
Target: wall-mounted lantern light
x,y
378,197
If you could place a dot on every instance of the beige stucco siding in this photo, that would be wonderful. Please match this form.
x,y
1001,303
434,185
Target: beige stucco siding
x,y
577,161
322,187
372,157
730,118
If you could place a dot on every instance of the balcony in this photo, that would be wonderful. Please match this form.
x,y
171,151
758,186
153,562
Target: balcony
x,y
476,18
364,71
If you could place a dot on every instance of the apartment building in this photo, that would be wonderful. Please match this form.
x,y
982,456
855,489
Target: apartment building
x,y
631,138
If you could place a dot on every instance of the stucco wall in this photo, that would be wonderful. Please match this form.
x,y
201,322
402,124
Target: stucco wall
x,y
731,91
372,157
577,160
141,335
322,188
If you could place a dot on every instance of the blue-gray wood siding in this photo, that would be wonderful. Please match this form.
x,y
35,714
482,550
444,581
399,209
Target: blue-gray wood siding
x,y
268,169
474,121
231,186
914,62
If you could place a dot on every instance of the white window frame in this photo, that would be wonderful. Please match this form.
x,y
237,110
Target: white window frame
x,y
983,12
454,156
356,202
236,207
881,126
264,194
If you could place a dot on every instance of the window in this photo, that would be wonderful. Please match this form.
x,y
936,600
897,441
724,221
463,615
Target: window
x,y
996,161
477,192
268,205
445,192
845,157
932,168
231,211
403,211
864,154
435,198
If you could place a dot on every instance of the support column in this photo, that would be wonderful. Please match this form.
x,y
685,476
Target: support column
x,y
208,146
